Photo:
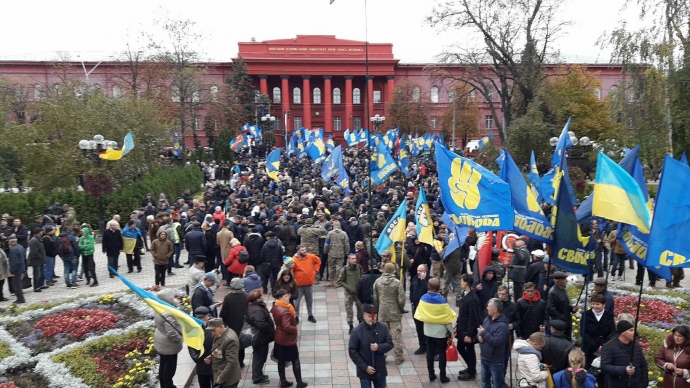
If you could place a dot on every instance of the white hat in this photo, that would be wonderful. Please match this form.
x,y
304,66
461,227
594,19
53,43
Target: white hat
x,y
538,253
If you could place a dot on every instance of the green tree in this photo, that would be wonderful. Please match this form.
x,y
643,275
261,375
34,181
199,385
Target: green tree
x,y
240,98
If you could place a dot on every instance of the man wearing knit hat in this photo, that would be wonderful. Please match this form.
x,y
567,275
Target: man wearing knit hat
x,y
617,366
389,297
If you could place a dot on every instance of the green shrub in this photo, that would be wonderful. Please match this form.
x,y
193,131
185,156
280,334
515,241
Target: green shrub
x,y
4,351
171,181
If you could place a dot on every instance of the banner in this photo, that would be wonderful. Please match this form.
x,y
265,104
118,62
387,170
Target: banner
x,y
570,250
529,218
671,218
331,166
382,164
471,194
394,230
422,217
273,164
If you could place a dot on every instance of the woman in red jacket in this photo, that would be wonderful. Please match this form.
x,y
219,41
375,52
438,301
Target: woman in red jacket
x,y
235,267
285,348
674,358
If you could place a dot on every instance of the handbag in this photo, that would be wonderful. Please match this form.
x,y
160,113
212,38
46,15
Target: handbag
x,y
26,282
523,383
249,335
451,351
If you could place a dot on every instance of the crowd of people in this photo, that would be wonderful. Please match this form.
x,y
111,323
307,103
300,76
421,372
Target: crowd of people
x,y
265,240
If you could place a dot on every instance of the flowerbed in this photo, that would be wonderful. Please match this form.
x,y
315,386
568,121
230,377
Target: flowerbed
x,y
98,341
66,327
661,310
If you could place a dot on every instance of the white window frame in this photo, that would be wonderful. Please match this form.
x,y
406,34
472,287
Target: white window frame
x,y
356,96
296,95
276,95
297,121
434,94
337,124
416,94
317,96
377,96
489,122
336,95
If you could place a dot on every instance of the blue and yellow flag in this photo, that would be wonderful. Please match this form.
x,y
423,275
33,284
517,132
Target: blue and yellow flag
x,y
343,180
533,176
671,222
292,145
617,196
570,250
549,181
350,138
529,218
471,194
422,217
330,144
113,154
317,148
394,230
273,164
456,238
634,242
483,141
192,330
331,166
363,136
403,159
433,308
382,164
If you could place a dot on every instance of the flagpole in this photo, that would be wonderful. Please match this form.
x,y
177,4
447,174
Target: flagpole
x,y
637,316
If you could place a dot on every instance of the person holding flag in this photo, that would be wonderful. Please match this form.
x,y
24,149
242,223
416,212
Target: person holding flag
x,y
167,340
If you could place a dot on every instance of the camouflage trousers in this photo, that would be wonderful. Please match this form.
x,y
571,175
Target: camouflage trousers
x,y
395,329
437,269
334,263
351,299
448,276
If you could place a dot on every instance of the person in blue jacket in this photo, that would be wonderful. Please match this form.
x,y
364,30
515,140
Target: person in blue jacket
x,y
492,336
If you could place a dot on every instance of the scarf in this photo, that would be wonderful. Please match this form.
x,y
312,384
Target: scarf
x,y
286,305
598,315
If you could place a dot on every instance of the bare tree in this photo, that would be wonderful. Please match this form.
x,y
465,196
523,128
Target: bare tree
x,y
408,108
516,38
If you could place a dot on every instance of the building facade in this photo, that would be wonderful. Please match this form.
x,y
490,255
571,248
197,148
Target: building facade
x,y
315,81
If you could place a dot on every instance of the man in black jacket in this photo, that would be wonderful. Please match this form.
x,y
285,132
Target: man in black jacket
x,y
418,287
531,310
272,254
48,241
468,321
203,295
369,343
364,292
559,304
195,241
616,365
557,347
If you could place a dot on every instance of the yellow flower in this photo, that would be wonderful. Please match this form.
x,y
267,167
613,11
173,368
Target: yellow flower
x,y
660,379
650,373
575,331
641,305
138,364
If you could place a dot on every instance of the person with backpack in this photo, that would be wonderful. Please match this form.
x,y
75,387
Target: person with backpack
x,y
237,260
68,249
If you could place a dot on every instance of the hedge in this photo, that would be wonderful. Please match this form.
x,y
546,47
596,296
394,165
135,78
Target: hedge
x,y
171,181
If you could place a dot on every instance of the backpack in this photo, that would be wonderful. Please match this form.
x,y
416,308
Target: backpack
x,y
244,257
64,246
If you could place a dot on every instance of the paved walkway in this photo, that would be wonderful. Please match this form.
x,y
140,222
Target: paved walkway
x,y
323,346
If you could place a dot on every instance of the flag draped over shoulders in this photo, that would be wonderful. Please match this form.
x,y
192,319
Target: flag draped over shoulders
x,y
433,308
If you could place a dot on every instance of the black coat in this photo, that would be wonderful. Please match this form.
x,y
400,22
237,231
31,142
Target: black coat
x,y
595,333
359,349
421,254
418,288
112,242
210,245
559,308
364,287
488,291
195,242
254,243
469,316
615,357
203,369
259,317
200,298
556,351
49,245
234,309
272,253
532,315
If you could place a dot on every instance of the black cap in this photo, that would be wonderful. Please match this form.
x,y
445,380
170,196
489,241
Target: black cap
x,y
560,275
558,325
623,326
369,309
201,311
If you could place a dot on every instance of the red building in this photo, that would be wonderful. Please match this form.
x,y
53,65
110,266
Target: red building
x,y
315,81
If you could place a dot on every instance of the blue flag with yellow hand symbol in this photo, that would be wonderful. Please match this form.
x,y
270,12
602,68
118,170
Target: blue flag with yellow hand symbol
x,y
471,194
671,217
331,166
570,250
529,218
382,164
273,164
422,216
317,148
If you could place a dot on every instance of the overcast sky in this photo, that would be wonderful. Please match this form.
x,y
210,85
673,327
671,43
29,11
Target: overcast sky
x,y
88,30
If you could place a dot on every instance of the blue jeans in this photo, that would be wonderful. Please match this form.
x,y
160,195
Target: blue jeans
x,y
178,251
368,383
71,264
493,371
112,262
50,268
39,276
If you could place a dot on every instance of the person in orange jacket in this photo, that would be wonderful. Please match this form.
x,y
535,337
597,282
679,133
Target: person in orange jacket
x,y
304,268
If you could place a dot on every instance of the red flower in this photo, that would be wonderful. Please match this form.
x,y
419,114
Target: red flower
x,y
77,322
650,310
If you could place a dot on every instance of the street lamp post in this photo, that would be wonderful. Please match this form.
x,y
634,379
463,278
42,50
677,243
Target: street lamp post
x,y
91,149
377,120
578,155
268,119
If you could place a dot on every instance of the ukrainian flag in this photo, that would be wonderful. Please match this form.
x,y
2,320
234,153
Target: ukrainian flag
x,y
273,164
433,308
113,154
618,197
192,330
